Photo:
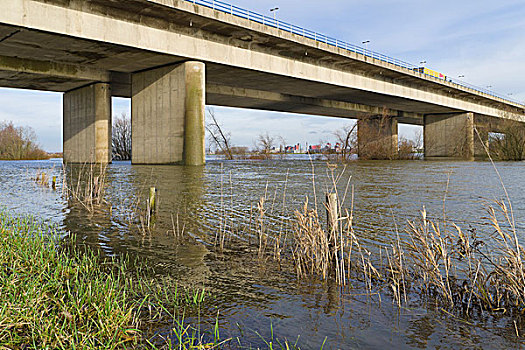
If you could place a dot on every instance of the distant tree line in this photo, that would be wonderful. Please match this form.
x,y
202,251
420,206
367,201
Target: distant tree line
x,y
19,143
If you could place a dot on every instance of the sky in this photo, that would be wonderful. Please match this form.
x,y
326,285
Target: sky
x,y
482,40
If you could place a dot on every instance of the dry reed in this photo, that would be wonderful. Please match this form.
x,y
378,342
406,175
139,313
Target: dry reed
x,y
87,188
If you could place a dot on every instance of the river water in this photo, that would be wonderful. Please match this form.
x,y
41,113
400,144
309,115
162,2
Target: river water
x,y
254,297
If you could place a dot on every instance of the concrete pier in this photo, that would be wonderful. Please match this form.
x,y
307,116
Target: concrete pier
x,y
449,136
377,137
87,124
168,106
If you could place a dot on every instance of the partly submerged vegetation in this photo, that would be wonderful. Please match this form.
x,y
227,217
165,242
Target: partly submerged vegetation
x,y
433,259
458,267
461,270
57,297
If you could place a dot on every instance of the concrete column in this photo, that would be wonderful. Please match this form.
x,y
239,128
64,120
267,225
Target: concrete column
x,y
87,124
449,136
168,106
481,142
377,138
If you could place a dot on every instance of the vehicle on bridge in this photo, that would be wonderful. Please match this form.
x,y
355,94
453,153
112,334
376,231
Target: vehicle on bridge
x,y
431,72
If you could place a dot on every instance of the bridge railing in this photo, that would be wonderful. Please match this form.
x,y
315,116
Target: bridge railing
x,y
291,28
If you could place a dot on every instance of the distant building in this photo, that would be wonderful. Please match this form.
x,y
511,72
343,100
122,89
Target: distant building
x,y
314,149
293,149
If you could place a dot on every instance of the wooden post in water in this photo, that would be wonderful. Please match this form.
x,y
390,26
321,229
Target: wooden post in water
x,y
152,207
54,183
152,200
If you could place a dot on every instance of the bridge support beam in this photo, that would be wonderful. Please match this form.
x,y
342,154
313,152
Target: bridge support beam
x,y
168,106
87,124
449,136
377,137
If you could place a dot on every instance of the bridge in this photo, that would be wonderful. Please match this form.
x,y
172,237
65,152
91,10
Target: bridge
x,y
172,57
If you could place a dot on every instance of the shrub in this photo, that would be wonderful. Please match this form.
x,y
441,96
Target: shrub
x,y
19,143
509,145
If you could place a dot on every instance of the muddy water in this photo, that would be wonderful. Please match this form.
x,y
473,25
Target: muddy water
x,y
253,296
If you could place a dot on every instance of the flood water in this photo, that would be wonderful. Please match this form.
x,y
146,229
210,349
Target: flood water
x,y
254,297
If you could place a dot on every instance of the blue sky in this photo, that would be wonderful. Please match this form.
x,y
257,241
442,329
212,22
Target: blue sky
x,y
482,40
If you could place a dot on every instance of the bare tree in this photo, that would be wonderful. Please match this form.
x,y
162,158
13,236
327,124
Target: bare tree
x,y
406,149
347,138
265,143
220,139
121,138
409,149
508,145
282,146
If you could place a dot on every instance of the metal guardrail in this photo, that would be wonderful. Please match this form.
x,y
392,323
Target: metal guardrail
x,y
291,28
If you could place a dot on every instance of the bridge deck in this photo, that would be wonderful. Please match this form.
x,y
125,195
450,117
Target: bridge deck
x,y
61,45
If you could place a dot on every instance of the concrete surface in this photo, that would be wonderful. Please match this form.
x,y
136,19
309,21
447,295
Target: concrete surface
x,y
124,37
449,136
168,115
87,124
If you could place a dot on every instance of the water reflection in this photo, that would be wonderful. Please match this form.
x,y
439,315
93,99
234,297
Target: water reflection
x,y
252,294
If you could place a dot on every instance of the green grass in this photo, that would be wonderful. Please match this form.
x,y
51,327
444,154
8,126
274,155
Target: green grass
x,y
54,298
54,295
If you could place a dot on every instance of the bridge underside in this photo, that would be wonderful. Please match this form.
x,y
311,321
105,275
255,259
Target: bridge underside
x,y
168,112
67,63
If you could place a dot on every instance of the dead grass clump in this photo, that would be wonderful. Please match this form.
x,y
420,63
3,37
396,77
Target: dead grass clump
x,y
429,251
87,188
42,179
457,268
438,260
311,249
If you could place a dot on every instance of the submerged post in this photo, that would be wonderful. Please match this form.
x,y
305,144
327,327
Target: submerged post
x,y
152,203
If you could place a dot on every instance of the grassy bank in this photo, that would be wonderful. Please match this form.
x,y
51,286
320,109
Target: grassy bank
x,y
55,298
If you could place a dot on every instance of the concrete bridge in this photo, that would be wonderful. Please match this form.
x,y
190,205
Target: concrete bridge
x,y
172,57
